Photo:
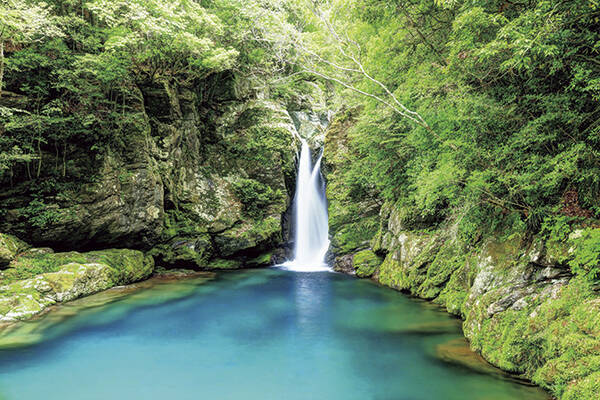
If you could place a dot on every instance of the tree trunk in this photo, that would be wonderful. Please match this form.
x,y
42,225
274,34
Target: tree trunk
x,y
39,149
64,171
1,65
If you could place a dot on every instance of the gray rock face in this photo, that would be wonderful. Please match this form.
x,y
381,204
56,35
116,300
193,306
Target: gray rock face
x,y
344,264
175,179
311,126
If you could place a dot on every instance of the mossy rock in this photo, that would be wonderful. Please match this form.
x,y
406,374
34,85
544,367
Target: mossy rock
x,y
249,235
10,247
26,291
220,263
31,263
392,274
350,237
185,252
263,260
126,265
365,263
26,298
448,259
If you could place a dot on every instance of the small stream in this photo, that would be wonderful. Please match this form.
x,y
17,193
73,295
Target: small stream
x,y
255,334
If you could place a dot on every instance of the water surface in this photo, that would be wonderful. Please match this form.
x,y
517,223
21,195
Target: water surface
x,y
260,334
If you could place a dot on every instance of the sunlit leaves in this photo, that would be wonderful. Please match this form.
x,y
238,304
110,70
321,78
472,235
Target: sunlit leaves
x,y
24,21
513,86
164,38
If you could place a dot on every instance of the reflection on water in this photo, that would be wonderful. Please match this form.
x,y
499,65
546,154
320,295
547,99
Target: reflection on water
x,y
312,302
267,334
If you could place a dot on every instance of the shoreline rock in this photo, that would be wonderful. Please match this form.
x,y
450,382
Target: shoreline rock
x,y
36,280
164,283
522,310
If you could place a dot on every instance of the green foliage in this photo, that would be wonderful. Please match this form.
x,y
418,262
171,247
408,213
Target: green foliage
x,y
40,214
76,72
255,196
513,115
586,260
158,40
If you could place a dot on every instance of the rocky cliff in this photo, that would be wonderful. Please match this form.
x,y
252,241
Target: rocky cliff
x,y
523,308
197,173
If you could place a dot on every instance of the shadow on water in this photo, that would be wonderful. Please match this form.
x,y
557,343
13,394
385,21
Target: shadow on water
x,y
260,334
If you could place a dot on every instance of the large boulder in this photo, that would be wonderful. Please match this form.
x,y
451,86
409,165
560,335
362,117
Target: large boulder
x,y
38,279
256,236
10,247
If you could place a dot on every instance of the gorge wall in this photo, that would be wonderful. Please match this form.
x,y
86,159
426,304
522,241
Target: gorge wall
x,y
201,176
203,172
523,308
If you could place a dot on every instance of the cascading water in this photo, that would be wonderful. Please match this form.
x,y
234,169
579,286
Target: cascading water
x,y
310,219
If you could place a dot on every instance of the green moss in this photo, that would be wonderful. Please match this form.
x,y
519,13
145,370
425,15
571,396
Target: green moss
x,y
127,265
66,276
355,235
506,343
554,340
365,263
504,253
178,223
30,264
587,388
448,259
453,300
392,274
261,261
249,235
10,246
586,260
256,196
455,292
220,263
185,251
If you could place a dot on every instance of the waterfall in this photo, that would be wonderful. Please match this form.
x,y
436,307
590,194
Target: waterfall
x,y
311,228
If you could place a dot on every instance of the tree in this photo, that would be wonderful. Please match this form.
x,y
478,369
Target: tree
x,y
175,38
23,23
325,44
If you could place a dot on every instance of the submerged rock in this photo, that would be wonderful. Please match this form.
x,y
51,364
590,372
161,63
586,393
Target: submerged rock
x,y
164,285
457,351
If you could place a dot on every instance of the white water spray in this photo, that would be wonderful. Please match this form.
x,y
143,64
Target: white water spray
x,y
310,219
